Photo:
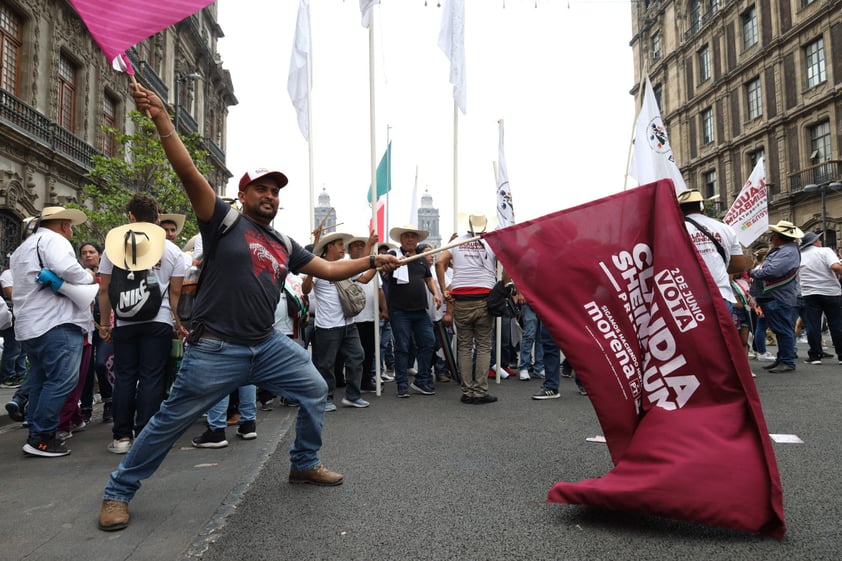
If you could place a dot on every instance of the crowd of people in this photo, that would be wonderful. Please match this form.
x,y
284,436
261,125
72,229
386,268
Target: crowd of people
x,y
267,319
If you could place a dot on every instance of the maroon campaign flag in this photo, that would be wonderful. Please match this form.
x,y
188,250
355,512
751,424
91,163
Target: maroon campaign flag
x,y
622,289
117,26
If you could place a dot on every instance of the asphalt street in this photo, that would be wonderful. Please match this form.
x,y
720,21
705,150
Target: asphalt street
x,y
425,478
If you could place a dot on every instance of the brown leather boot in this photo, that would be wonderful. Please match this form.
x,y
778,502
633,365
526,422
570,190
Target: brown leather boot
x,y
318,475
114,515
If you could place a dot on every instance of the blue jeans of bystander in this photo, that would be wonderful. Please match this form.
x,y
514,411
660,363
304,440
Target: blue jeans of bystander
x,y
418,325
54,359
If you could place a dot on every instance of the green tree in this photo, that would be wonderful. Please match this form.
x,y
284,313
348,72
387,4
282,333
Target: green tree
x,y
139,166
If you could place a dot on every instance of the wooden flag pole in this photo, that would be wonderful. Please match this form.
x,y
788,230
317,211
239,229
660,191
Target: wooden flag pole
x,y
439,250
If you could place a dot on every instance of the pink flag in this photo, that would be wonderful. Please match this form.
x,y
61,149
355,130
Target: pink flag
x,y
644,326
117,26
122,64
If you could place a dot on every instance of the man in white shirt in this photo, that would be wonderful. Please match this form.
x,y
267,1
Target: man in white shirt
x,y
716,242
49,325
336,332
819,277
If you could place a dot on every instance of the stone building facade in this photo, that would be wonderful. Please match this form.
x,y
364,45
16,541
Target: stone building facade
x,y
57,91
740,79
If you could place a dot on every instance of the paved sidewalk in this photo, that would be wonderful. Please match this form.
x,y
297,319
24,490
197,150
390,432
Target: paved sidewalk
x,y
50,505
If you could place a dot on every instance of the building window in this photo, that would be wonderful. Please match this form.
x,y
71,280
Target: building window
x,y
712,7
820,142
704,63
707,126
709,179
807,2
109,122
695,15
816,71
749,18
658,92
66,93
820,151
754,97
754,157
10,47
656,46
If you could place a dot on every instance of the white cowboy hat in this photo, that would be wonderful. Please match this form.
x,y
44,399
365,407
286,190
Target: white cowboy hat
x,y
787,229
177,219
690,196
135,246
76,217
191,243
476,222
396,232
332,237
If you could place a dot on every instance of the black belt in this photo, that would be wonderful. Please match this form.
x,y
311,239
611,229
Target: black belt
x,y
208,334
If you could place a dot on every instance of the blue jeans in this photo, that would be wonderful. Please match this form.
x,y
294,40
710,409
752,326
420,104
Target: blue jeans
x,y
327,345
530,337
814,306
418,325
387,347
218,414
54,360
779,319
140,356
13,364
212,369
506,349
759,333
552,360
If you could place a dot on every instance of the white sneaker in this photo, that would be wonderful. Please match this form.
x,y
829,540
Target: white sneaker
x,y
766,357
121,446
386,378
524,374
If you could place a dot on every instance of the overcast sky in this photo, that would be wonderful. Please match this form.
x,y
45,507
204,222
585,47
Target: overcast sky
x,y
559,74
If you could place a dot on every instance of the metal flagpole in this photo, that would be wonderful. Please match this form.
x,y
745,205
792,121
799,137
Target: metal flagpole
x,y
310,148
374,198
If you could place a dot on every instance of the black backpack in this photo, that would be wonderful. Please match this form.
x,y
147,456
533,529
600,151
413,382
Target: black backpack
x,y
135,295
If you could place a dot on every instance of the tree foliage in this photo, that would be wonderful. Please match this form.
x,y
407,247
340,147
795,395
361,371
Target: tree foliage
x,y
140,166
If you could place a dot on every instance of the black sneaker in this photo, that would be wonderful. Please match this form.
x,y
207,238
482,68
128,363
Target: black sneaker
x,y
50,447
211,439
107,416
467,398
545,393
247,430
14,410
487,398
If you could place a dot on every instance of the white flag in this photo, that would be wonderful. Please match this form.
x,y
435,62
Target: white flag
x,y
505,209
299,81
452,42
652,157
365,8
749,215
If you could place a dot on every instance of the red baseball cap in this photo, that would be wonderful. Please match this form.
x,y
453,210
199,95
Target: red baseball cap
x,y
254,175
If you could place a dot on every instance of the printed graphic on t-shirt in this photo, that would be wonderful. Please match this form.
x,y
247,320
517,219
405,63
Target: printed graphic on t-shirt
x,y
266,254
